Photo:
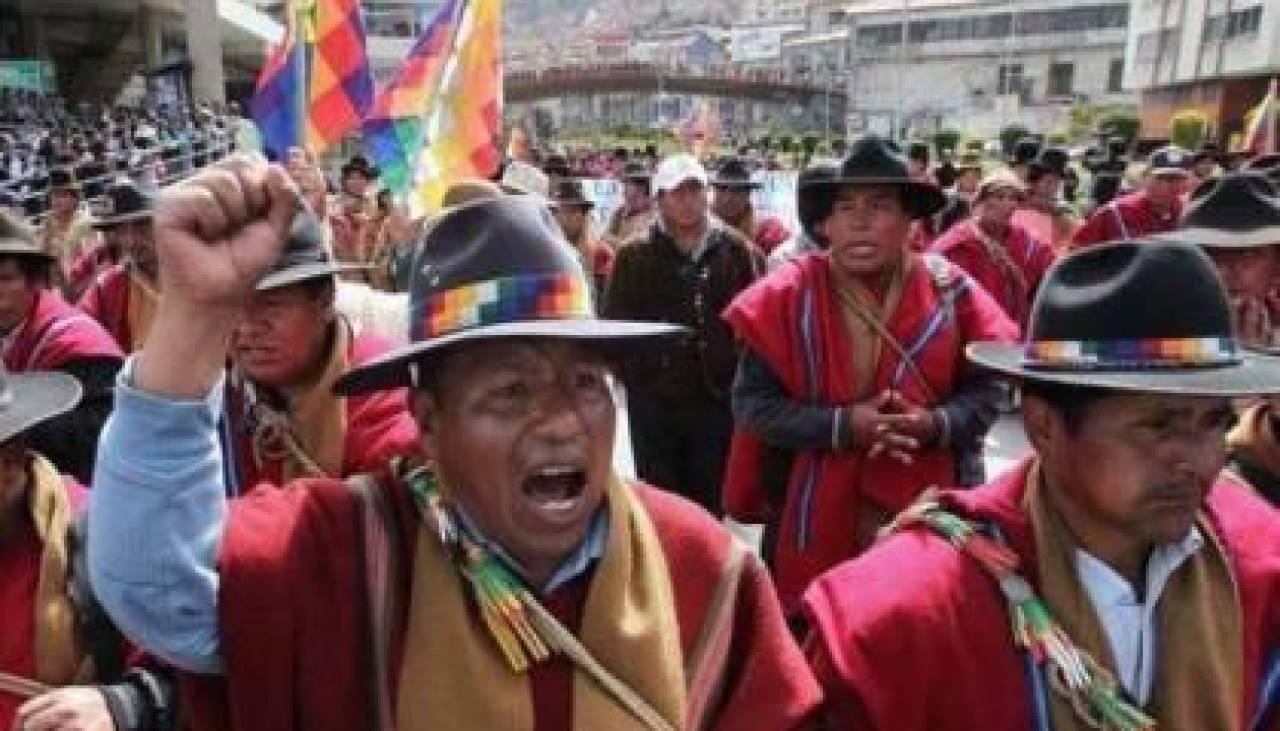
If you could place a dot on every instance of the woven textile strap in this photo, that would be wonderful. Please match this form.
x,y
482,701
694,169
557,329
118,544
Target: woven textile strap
x,y
1074,675
1131,354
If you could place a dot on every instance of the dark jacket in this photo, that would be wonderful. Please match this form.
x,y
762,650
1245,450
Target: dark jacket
x,y
654,281
70,441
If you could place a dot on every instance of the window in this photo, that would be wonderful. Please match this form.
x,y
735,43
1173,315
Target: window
x,y
1152,44
1244,22
1115,76
1009,80
1061,76
1215,29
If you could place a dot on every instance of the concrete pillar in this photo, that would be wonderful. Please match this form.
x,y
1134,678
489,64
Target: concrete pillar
x,y
39,29
204,48
151,37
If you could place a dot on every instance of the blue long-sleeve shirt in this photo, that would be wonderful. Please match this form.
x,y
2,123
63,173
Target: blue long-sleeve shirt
x,y
158,512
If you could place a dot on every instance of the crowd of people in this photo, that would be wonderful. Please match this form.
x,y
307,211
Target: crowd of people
x,y
231,498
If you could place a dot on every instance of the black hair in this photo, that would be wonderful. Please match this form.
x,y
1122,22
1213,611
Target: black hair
x,y
1071,402
320,288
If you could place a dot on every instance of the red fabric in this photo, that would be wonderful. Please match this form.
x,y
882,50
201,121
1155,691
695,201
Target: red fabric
x,y
107,301
914,635
962,246
771,232
54,334
286,553
379,425
770,318
20,566
1139,216
88,265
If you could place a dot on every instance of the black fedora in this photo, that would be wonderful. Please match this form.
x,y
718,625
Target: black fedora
x,y
63,180
27,399
637,171
123,202
1052,160
1234,211
360,165
305,255
569,192
874,161
497,268
734,175
1025,151
1143,315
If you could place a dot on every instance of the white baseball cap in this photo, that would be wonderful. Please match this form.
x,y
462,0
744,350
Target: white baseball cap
x,y
676,170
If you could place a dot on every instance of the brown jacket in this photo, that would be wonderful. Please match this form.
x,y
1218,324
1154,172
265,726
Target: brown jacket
x,y
654,281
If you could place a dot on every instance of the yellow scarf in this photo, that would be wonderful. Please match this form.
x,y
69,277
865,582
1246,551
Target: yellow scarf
x,y
59,659
1199,681
628,624
866,318
141,308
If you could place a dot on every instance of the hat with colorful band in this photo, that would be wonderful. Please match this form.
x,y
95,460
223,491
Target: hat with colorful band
x,y
497,267
1148,315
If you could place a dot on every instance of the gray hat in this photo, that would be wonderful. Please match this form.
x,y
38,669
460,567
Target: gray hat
x,y
27,399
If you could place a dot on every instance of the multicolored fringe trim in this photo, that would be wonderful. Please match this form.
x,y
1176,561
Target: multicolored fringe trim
x,y
1153,353
1090,689
508,299
502,598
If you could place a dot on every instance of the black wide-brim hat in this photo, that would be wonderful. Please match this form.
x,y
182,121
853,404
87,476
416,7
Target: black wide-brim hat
x,y
1146,315
305,255
28,399
873,161
497,268
360,164
1234,211
734,175
123,202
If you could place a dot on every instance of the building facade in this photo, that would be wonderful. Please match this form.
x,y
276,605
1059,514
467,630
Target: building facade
x,y
1214,56
916,67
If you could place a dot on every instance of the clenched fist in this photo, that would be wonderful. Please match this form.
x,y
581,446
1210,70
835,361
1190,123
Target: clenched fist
x,y
219,231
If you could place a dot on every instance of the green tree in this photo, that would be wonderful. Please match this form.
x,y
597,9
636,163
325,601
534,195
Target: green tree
x,y
1187,128
1120,123
1009,137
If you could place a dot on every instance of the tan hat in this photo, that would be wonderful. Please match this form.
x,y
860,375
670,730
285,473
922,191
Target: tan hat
x,y
470,189
1002,179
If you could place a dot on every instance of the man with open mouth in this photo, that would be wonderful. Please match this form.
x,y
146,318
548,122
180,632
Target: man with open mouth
x,y
512,581
1115,579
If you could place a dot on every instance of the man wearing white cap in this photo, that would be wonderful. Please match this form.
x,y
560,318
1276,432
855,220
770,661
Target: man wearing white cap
x,y
685,269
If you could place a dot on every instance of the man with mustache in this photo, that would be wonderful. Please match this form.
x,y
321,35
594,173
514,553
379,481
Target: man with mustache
x,y
1111,580
283,419
853,371
510,582
123,297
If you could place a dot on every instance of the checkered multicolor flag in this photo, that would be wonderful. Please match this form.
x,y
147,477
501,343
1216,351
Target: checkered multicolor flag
x,y
394,131
340,91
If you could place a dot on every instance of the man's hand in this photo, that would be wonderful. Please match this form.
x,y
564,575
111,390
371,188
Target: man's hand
x,y
891,425
79,708
218,232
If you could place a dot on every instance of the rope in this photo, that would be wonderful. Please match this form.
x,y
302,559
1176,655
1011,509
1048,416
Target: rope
x,y
1089,688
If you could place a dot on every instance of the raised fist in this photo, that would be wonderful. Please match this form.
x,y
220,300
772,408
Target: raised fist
x,y
219,231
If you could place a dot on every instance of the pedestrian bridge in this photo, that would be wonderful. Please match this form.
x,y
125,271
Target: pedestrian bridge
x,y
643,78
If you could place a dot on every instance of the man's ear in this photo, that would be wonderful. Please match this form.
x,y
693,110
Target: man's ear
x,y
426,411
1044,426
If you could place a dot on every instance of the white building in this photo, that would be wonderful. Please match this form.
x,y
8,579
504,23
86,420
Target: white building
x,y
978,65
1215,56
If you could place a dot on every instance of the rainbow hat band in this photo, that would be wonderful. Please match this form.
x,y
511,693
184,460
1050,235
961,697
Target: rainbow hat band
x,y
555,296
1161,353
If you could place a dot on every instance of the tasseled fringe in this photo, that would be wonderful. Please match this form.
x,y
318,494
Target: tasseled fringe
x,y
1090,689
